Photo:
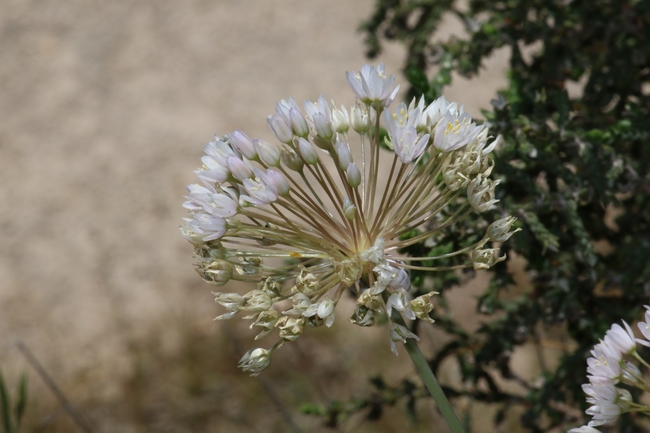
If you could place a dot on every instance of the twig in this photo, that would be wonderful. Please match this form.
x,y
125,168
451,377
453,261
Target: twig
x,y
78,417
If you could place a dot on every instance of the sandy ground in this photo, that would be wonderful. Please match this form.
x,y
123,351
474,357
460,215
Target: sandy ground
x,y
104,108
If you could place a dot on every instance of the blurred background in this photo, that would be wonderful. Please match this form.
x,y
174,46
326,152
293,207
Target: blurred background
x,y
104,108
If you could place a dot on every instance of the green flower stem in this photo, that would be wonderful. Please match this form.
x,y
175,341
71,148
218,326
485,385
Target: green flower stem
x,y
433,386
429,379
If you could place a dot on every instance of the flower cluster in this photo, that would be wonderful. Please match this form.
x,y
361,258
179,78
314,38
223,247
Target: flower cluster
x,y
327,209
607,367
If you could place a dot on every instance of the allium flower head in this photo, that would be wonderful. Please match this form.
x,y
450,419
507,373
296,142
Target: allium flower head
x,y
325,210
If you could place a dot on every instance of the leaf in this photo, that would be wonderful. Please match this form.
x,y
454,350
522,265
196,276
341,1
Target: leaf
x,y
4,404
22,400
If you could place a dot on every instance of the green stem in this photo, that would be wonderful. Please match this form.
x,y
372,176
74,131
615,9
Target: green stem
x,y
433,386
428,377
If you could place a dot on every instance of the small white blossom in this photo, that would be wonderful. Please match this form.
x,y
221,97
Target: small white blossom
x,y
371,85
399,301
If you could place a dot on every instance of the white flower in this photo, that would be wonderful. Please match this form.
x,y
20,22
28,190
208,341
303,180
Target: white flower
x,y
316,215
323,309
372,86
399,301
584,429
454,131
644,327
405,139
621,339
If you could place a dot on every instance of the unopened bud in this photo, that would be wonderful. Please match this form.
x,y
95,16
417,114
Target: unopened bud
x,y
243,144
344,155
322,126
280,128
349,209
238,168
354,175
291,159
267,153
278,180
340,119
361,117
307,151
298,123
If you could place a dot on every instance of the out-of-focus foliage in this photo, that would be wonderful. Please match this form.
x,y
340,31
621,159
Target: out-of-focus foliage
x,y
11,415
575,172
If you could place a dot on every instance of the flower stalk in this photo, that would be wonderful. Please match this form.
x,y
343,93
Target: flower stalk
x,y
429,379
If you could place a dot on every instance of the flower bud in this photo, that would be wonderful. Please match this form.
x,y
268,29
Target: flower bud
x,y
340,119
278,180
498,230
344,155
243,144
360,120
267,153
280,128
323,126
298,123
486,258
349,209
255,361
238,168
307,151
354,175
291,159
